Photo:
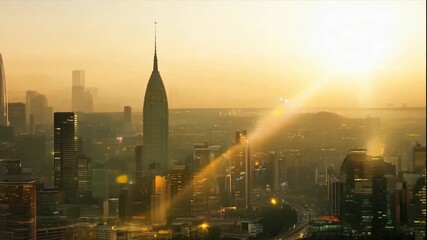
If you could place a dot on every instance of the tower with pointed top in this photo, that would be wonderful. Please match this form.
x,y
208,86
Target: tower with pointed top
x,y
3,96
155,123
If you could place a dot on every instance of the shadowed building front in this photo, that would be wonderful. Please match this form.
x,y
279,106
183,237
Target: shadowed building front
x,y
155,124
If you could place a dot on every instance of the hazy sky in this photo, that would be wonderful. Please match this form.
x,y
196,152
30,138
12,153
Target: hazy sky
x,y
218,53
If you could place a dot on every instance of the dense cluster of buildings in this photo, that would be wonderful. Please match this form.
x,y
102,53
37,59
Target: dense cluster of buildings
x,y
367,198
373,200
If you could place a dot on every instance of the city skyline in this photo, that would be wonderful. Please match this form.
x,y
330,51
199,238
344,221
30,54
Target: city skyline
x,y
363,48
269,120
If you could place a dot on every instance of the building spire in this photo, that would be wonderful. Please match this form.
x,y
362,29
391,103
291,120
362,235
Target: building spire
x,y
155,68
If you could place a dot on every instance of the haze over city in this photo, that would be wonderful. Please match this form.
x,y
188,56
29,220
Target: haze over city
x,y
214,54
214,120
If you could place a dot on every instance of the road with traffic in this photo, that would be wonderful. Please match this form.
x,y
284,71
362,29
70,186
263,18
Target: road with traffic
x,y
304,212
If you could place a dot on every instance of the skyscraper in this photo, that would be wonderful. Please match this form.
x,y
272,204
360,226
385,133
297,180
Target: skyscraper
x,y
420,208
16,113
66,149
367,196
200,179
18,210
82,100
155,122
127,116
38,113
143,184
160,201
3,96
419,159
241,171
84,178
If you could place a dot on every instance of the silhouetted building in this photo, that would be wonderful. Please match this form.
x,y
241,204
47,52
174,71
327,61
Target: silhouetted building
x,y
66,150
420,203
241,171
100,184
82,100
17,117
419,159
124,203
367,197
139,177
48,201
38,113
31,149
3,96
10,167
18,210
84,179
178,180
143,184
127,116
279,172
155,122
334,195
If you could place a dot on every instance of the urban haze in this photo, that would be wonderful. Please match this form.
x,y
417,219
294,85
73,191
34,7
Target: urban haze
x,y
126,120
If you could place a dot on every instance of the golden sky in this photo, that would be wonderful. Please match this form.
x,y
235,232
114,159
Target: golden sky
x,y
219,53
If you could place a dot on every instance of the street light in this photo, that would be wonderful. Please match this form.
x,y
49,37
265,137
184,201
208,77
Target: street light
x,y
204,226
273,201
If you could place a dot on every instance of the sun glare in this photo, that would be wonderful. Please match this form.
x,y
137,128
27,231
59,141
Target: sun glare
x,y
351,40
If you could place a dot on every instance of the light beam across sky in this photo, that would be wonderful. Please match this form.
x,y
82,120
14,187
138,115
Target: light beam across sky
x,y
262,50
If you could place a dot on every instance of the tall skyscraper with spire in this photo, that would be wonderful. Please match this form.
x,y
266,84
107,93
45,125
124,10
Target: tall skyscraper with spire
x,y
3,96
155,122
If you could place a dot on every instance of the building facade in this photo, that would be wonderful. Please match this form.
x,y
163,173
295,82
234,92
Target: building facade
x,y
155,123
18,211
66,149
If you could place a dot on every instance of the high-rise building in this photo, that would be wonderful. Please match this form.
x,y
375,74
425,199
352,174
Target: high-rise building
x,y
143,184
139,178
367,196
420,202
16,113
155,122
37,110
205,192
127,116
279,172
3,96
100,184
419,159
84,178
123,203
241,171
66,150
201,156
334,188
81,98
18,210
160,200
178,181
31,149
